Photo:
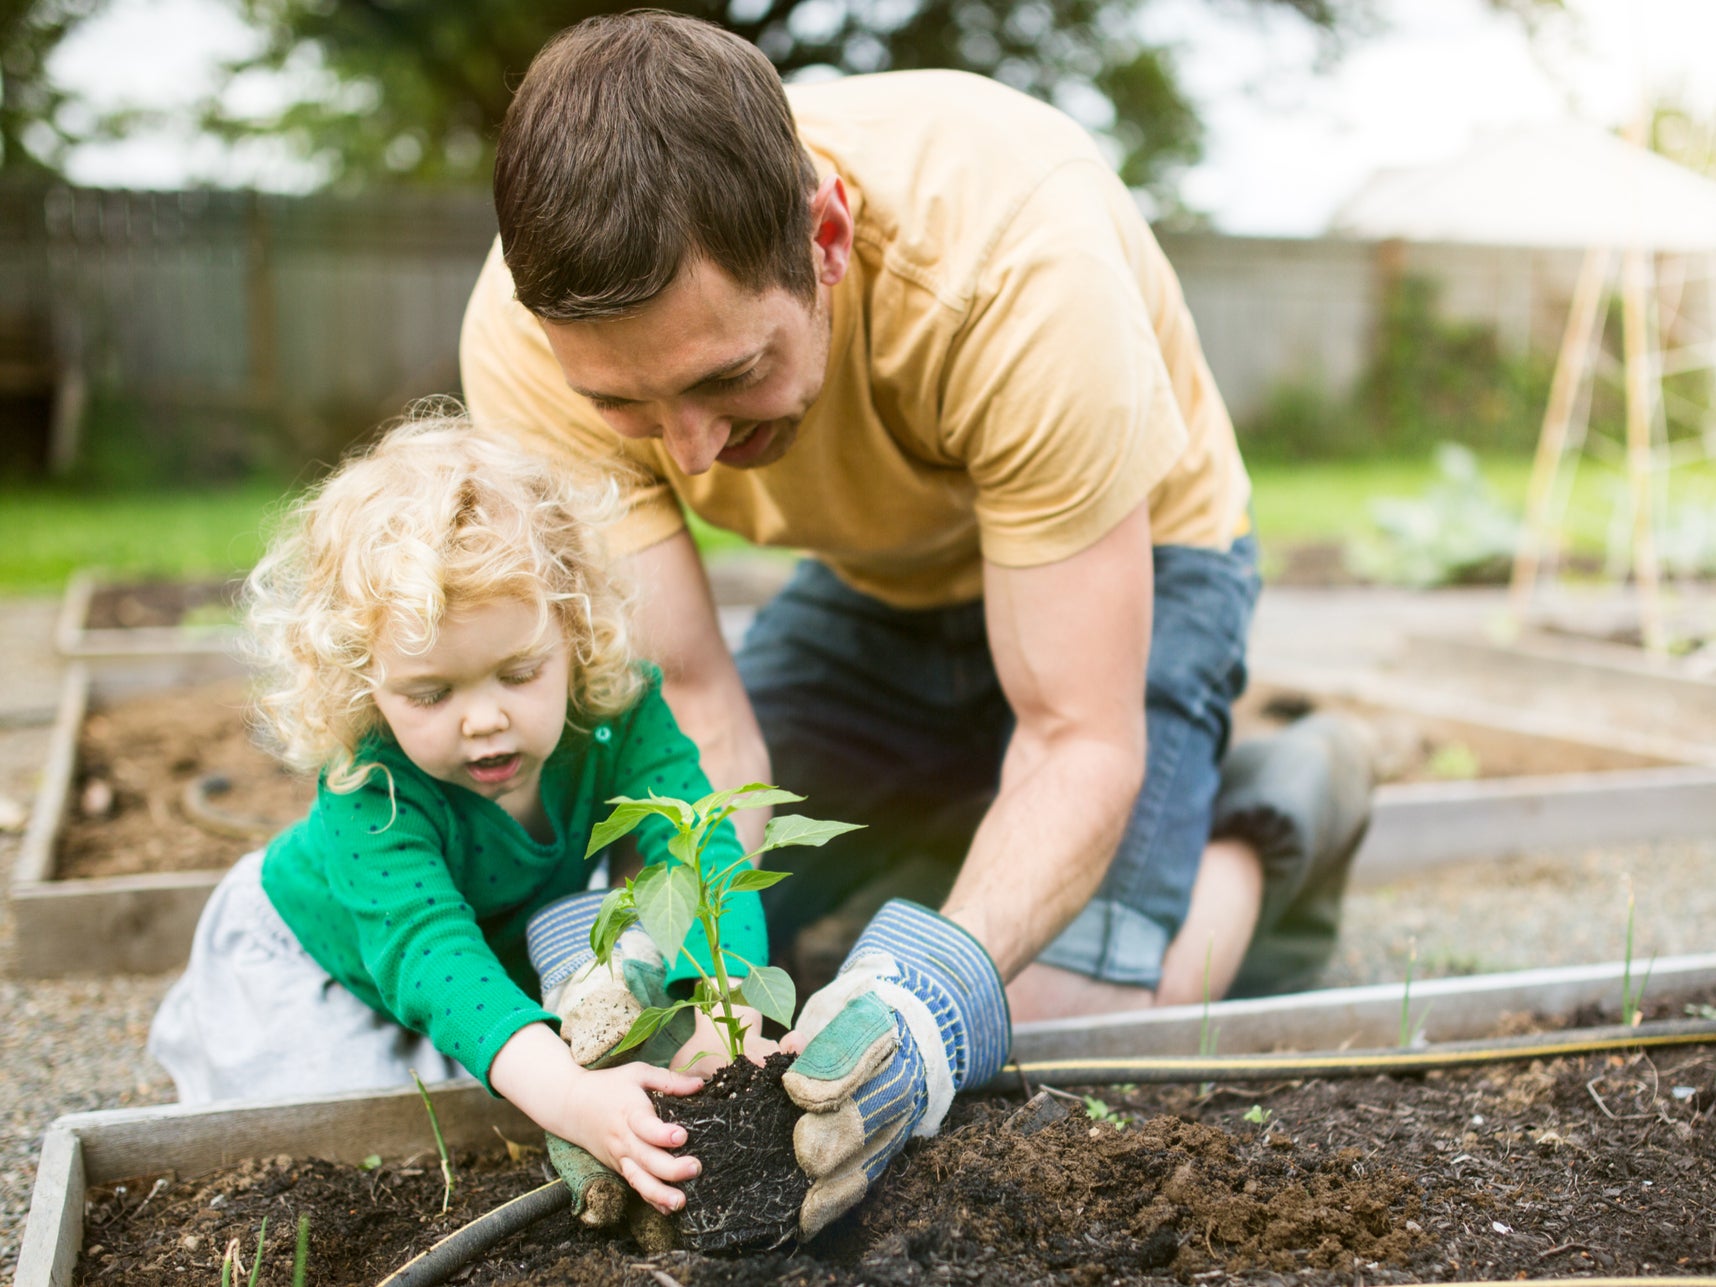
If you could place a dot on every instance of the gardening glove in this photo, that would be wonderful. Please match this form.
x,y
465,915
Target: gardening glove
x,y
917,1012
598,1194
597,1003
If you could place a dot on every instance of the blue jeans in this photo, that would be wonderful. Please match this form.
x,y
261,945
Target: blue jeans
x,y
895,718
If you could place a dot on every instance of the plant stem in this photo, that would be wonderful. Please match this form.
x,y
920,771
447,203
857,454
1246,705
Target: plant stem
x,y
1406,995
723,988
440,1144
301,1256
256,1269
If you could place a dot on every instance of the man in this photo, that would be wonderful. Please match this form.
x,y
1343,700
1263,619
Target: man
x,y
914,325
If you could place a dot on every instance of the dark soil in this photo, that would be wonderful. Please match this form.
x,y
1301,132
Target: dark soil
x,y
161,604
173,781
1604,1164
750,1189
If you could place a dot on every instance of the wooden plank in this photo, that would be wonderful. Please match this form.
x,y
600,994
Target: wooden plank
x,y
53,1232
342,1128
1453,1009
36,855
1618,675
108,925
1417,826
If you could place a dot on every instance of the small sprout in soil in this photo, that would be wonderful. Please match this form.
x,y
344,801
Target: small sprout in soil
x,y
1098,1110
1258,1115
301,1255
230,1263
440,1145
1453,762
1704,1012
372,1161
1207,1032
1410,1033
1631,1013
669,898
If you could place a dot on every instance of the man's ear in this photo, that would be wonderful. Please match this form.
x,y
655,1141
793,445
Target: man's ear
x,y
831,230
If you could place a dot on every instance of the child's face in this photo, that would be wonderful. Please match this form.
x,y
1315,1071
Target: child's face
x,y
485,706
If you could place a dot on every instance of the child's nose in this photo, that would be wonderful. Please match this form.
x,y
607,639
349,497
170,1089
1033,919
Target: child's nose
x,y
483,716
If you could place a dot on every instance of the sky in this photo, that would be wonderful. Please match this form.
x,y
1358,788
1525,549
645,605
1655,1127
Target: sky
x,y
1287,139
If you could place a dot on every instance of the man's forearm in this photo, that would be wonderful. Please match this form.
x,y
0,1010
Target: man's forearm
x,y
1043,847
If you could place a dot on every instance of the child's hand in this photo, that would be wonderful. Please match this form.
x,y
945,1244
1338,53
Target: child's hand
x,y
609,1114
707,1049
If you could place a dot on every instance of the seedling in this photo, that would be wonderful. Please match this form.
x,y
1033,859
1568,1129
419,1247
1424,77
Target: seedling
x,y
440,1145
1258,1115
1099,1110
301,1255
1207,1032
1410,1032
1631,1014
668,898
230,1262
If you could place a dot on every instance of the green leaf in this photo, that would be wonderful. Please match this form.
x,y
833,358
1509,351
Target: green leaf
x,y
667,905
617,914
648,1023
755,879
771,991
794,829
372,1161
626,816
757,796
683,847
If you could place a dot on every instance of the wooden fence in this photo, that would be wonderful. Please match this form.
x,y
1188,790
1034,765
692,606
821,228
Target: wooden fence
x,y
323,315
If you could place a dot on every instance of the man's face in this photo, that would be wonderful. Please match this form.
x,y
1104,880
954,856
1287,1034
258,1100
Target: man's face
x,y
721,375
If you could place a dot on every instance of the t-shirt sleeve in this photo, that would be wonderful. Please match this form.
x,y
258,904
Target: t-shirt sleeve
x,y
415,935
1056,395
656,756
513,385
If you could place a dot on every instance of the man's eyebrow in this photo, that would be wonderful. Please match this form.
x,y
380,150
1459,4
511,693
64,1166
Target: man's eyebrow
x,y
721,372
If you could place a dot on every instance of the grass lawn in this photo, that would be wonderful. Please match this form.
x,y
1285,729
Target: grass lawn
x,y
46,533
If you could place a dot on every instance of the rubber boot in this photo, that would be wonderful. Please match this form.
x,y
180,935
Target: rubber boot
x,y
1301,798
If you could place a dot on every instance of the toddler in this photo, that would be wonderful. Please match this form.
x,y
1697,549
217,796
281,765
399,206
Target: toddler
x,y
444,647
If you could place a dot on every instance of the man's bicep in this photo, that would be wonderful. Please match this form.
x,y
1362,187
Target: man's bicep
x,y
1071,639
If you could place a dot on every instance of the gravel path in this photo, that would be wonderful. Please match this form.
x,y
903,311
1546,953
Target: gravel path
x,y
75,1045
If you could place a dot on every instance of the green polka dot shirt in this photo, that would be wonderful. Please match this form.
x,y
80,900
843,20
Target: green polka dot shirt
x,y
421,912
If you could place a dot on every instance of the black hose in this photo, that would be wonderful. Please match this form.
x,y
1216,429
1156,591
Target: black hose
x,y
1359,1063
465,1244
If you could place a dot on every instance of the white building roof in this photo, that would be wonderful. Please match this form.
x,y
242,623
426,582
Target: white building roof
x,y
1567,184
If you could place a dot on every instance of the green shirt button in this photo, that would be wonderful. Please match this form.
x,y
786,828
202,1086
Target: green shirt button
x,y
604,733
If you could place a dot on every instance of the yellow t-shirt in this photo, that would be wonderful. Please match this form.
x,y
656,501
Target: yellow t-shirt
x,y
1013,368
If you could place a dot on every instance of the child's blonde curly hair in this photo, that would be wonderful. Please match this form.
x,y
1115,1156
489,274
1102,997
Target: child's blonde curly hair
x,y
434,515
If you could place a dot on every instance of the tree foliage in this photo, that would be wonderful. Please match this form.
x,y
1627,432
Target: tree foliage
x,y
429,80
414,90
32,140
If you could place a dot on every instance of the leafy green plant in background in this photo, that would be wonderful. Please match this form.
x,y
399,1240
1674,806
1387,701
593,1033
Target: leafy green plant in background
x,y
1427,380
1457,531
668,898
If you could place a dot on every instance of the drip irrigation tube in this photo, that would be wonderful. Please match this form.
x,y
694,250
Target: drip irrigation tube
x,y
1114,1070
464,1245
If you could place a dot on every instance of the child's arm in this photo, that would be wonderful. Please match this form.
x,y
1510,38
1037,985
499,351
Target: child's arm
x,y
606,1112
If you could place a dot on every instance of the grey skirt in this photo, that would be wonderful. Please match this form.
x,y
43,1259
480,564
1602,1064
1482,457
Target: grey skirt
x,y
254,1016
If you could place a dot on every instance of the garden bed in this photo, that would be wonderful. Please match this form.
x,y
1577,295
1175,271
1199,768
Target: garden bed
x,y
132,831
1588,1164
147,797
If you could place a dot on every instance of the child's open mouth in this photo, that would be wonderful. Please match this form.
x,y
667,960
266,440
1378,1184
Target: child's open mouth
x,y
493,768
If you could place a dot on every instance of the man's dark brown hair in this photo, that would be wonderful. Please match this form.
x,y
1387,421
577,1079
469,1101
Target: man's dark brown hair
x,y
641,141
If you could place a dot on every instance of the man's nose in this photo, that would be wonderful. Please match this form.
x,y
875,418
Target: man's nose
x,y
694,436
